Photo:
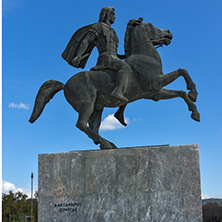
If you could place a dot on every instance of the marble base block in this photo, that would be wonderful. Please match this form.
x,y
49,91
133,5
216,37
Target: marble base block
x,y
153,183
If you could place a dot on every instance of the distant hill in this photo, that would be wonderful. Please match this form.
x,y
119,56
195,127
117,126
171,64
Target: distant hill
x,y
212,200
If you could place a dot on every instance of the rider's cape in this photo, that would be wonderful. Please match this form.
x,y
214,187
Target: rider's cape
x,y
72,48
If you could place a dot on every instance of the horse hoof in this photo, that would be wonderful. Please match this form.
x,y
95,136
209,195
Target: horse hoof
x,y
120,118
195,116
107,146
96,142
193,95
113,146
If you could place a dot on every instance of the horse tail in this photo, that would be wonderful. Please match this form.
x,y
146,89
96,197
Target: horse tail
x,y
44,95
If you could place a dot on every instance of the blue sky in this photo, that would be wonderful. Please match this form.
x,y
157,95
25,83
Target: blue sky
x,y
35,33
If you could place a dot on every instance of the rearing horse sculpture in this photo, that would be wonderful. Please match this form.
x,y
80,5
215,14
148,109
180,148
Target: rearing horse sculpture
x,y
88,92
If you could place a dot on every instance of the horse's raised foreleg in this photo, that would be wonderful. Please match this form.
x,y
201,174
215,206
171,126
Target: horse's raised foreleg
x,y
163,80
85,111
170,94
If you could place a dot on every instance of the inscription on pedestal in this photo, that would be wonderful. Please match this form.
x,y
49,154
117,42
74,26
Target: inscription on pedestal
x,y
70,207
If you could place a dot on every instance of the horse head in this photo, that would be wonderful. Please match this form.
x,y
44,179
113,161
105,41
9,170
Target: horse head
x,y
156,34
141,37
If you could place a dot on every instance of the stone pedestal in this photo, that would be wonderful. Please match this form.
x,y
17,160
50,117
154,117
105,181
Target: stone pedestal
x,y
153,183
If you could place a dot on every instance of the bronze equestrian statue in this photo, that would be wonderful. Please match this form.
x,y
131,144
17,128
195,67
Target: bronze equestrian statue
x,y
114,82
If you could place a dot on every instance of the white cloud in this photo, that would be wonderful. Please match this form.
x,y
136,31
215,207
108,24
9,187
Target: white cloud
x,y
209,196
111,123
19,106
137,119
7,186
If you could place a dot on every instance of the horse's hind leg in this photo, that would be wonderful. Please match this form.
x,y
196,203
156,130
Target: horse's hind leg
x,y
95,120
85,111
163,80
170,94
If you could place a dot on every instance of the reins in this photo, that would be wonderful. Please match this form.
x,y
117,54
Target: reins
x,y
145,43
158,46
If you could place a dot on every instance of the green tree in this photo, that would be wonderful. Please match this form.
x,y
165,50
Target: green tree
x,y
15,206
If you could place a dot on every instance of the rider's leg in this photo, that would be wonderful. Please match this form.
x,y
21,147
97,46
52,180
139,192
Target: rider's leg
x,y
121,79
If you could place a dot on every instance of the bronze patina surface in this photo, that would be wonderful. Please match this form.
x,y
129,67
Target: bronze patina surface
x,y
116,80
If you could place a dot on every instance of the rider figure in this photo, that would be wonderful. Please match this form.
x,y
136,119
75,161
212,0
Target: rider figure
x,y
105,39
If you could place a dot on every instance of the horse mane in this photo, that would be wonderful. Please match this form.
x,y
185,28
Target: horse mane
x,y
131,24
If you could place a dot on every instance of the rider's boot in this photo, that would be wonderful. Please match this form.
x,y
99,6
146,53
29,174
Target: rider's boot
x,y
117,92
